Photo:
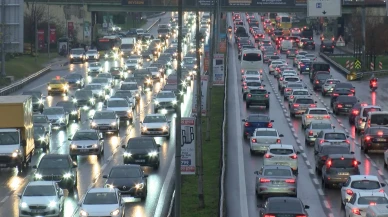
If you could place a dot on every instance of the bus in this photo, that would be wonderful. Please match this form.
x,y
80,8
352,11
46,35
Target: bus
x,y
108,46
283,20
252,59
272,17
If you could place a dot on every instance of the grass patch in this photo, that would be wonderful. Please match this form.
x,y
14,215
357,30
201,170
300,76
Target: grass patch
x,y
23,66
211,159
133,24
342,61
300,24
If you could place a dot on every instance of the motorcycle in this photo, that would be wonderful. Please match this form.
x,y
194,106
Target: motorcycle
x,y
373,85
230,30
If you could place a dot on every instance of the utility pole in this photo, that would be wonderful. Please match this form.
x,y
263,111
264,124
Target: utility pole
x,y
178,127
83,21
210,83
3,34
48,29
363,30
36,33
199,161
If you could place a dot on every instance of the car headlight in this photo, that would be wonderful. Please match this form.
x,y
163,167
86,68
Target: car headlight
x,y
156,102
153,154
74,112
89,70
65,87
144,128
169,63
95,56
40,101
94,146
115,212
60,119
24,205
106,56
83,213
100,93
139,186
107,86
74,100
165,128
71,56
174,102
115,55
67,175
78,82
15,153
52,204
48,88
109,186
113,123
42,138
127,154
38,176
148,81
100,69
94,124
73,146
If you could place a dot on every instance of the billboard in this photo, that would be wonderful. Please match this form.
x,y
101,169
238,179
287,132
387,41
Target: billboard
x,y
188,146
13,36
263,2
53,34
218,70
135,2
204,83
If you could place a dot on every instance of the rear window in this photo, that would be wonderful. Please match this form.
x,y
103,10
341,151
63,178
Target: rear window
x,y
253,84
281,207
300,93
321,67
374,131
379,119
281,151
304,101
266,133
276,172
367,110
295,85
318,112
365,184
259,91
291,79
344,85
347,99
335,136
321,126
332,149
323,76
345,163
252,57
275,57
258,119
372,200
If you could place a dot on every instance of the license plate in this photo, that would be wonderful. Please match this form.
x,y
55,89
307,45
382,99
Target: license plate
x,y
281,163
37,211
381,140
343,174
153,132
103,128
139,161
307,68
84,150
349,106
318,118
3,165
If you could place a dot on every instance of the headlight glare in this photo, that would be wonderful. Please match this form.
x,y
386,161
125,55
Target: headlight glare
x,y
67,175
42,138
127,154
156,102
153,154
82,212
73,146
74,112
52,204
113,123
24,205
144,128
115,212
38,176
74,100
174,102
139,186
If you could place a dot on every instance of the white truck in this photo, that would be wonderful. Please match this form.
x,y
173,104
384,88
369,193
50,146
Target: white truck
x,y
378,210
16,131
128,46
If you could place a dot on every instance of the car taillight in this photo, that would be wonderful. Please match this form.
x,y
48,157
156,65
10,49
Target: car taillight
x,y
326,116
367,138
245,87
381,190
328,163
300,216
339,106
254,140
294,156
356,211
313,106
288,51
288,89
269,216
268,156
349,192
355,163
263,180
311,133
355,112
323,46
380,133
353,90
266,95
350,94
270,125
247,124
309,116
317,82
296,105
290,180
281,79
335,94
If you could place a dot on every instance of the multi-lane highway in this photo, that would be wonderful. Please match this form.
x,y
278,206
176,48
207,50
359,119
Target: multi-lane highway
x,y
240,180
90,169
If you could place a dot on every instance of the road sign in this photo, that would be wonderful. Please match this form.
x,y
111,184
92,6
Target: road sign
x,y
204,83
357,64
380,65
188,146
326,8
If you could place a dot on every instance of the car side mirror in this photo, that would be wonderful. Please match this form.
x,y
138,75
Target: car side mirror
x,y
383,184
307,207
281,135
20,196
272,121
315,102
145,176
105,176
75,165
34,167
315,136
269,93
122,146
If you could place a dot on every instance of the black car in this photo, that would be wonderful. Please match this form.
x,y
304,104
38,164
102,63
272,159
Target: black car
x,y
84,99
142,151
337,169
116,72
347,86
327,46
318,67
339,92
124,94
375,138
320,79
272,58
356,111
41,137
243,41
308,44
58,168
128,179
344,104
71,108
283,206
323,151
75,80
37,100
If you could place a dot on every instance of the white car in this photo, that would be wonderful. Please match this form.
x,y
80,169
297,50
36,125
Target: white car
x,y
131,65
252,73
155,125
328,86
288,72
314,114
86,142
299,92
273,65
95,67
165,100
41,197
105,83
262,138
105,122
360,201
107,76
297,59
102,202
284,80
133,87
360,183
282,154
360,120
121,107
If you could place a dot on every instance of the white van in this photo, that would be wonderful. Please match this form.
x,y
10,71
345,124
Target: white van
x,y
285,45
377,118
378,210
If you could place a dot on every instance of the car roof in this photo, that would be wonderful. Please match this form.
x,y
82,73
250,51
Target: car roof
x,y
336,156
364,177
41,183
276,167
333,131
102,190
117,99
281,146
304,90
317,109
265,129
86,131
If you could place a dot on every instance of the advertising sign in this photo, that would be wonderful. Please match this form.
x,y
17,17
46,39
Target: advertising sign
x,y
41,38
207,58
275,2
222,45
53,34
70,29
134,2
218,70
188,146
86,29
204,83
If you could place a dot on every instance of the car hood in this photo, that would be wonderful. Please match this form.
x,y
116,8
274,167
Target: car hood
x,y
52,171
55,117
94,67
128,182
103,121
140,150
84,142
38,200
99,209
165,99
117,109
154,125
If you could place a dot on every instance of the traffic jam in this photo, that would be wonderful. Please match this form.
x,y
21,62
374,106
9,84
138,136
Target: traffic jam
x,y
305,128
104,132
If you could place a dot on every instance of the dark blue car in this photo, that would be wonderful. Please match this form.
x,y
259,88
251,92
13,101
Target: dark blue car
x,y
305,66
75,80
254,121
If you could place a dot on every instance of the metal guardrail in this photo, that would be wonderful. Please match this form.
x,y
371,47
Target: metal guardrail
x,y
170,209
340,68
152,25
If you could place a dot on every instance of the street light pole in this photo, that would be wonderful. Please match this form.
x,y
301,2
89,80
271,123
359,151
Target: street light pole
x,y
48,29
83,21
36,34
363,30
3,34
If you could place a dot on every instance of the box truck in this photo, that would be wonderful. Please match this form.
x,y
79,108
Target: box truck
x,y
16,131
128,46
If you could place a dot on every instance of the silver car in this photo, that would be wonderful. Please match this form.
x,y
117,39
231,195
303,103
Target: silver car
x,y
127,95
300,104
105,121
314,128
330,136
97,89
156,74
250,85
105,83
95,68
290,87
155,125
121,107
86,142
102,202
43,121
107,76
328,86
57,117
275,180
165,100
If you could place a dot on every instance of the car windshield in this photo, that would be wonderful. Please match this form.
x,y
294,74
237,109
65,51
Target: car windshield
x,y
290,79
372,200
275,57
93,87
252,73
155,119
51,162
310,55
141,143
304,101
258,119
300,93
321,126
124,172
131,61
83,94
129,87
39,130
276,172
347,99
166,95
335,136
333,149
65,104
100,198
56,82
39,119
266,133
95,64
367,110
53,111
258,91
104,115
188,60
100,80
39,191
92,52
323,76
365,184
378,130
85,136
9,138
117,103
318,112
342,163
104,75
281,151
77,51
295,85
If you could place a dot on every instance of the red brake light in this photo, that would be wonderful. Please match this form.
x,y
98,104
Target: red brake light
x,y
326,116
309,116
352,90
335,94
317,82
355,112
254,140
313,106
291,97
323,46
381,190
278,141
349,192
364,104
270,125
367,138
372,204
287,89
328,163
245,87
311,133
268,156
294,156
281,79
290,180
321,141
356,211
266,95
339,106
246,124
263,180
350,94
296,105
355,163
332,46
380,133
249,95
